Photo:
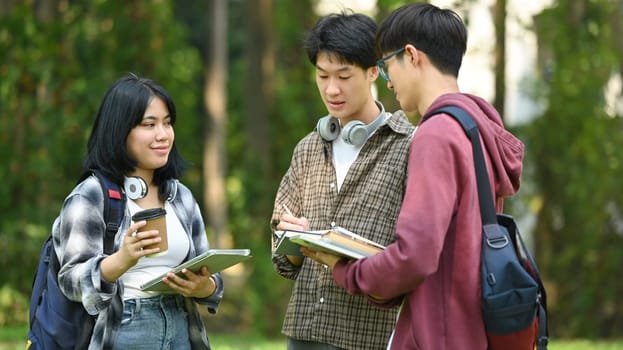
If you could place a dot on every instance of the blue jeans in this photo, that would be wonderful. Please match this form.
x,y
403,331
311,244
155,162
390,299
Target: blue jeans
x,y
154,323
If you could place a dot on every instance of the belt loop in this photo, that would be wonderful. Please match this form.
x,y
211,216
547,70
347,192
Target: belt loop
x,y
138,305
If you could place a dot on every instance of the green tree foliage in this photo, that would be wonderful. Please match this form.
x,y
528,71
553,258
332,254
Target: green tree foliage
x,y
289,109
574,154
54,73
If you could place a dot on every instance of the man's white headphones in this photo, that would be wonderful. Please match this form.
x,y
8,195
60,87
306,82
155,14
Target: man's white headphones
x,y
355,132
136,188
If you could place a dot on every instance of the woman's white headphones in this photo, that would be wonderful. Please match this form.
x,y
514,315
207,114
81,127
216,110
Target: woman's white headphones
x,y
355,132
136,188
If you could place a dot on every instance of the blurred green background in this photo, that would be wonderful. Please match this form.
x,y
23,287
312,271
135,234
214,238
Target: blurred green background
x,y
245,95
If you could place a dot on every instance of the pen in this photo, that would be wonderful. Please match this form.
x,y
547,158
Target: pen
x,y
287,209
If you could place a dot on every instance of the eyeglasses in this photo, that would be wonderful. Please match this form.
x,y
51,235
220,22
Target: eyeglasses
x,y
381,64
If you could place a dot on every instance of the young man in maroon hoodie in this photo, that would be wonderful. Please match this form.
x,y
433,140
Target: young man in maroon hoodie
x,y
433,268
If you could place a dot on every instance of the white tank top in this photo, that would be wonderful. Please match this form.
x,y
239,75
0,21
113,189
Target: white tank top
x,y
148,268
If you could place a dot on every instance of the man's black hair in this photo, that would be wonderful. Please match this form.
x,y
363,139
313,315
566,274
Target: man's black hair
x,y
439,33
347,36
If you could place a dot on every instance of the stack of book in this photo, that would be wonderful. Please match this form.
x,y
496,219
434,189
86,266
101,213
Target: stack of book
x,y
338,241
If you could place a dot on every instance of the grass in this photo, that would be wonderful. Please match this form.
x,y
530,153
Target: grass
x,y
12,338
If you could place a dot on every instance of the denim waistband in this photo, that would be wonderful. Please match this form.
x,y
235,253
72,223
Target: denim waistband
x,y
158,301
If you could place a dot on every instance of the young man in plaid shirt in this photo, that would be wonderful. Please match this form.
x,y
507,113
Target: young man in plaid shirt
x,y
349,172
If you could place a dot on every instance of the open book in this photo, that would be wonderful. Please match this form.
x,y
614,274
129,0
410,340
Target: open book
x,y
216,260
338,241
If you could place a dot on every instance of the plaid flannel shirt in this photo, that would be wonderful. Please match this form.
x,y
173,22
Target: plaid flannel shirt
x,y
78,241
368,204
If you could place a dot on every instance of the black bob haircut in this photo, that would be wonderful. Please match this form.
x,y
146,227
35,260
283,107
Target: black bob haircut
x,y
121,110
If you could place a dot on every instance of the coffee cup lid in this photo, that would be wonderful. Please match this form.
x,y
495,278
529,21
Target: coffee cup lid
x,y
149,214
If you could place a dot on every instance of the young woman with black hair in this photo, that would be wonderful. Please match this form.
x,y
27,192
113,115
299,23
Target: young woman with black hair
x,y
132,141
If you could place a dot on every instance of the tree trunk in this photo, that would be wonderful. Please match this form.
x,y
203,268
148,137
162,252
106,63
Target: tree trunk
x,y
499,21
260,93
46,10
618,34
215,103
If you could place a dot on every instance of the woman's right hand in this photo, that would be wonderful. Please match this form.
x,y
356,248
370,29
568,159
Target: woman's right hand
x,y
134,243
132,249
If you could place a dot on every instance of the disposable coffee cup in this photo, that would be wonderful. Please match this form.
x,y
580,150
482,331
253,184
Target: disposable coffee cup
x,y
156,220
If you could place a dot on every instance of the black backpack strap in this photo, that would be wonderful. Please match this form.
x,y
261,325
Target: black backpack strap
x,y
114,207
543,339
487,209
114,210
492,236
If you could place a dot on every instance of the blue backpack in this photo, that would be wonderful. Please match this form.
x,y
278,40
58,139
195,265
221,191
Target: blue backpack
x,y
55,321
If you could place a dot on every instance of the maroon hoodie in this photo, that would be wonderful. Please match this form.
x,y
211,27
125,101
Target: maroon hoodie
x,y
433,268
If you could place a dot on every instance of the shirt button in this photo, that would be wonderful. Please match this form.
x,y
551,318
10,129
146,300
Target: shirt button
x,y
332,185
325,266
321,300
333,224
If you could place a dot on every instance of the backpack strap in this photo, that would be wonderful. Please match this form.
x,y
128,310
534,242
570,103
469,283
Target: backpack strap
x,y
114,207
114,210
487,209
